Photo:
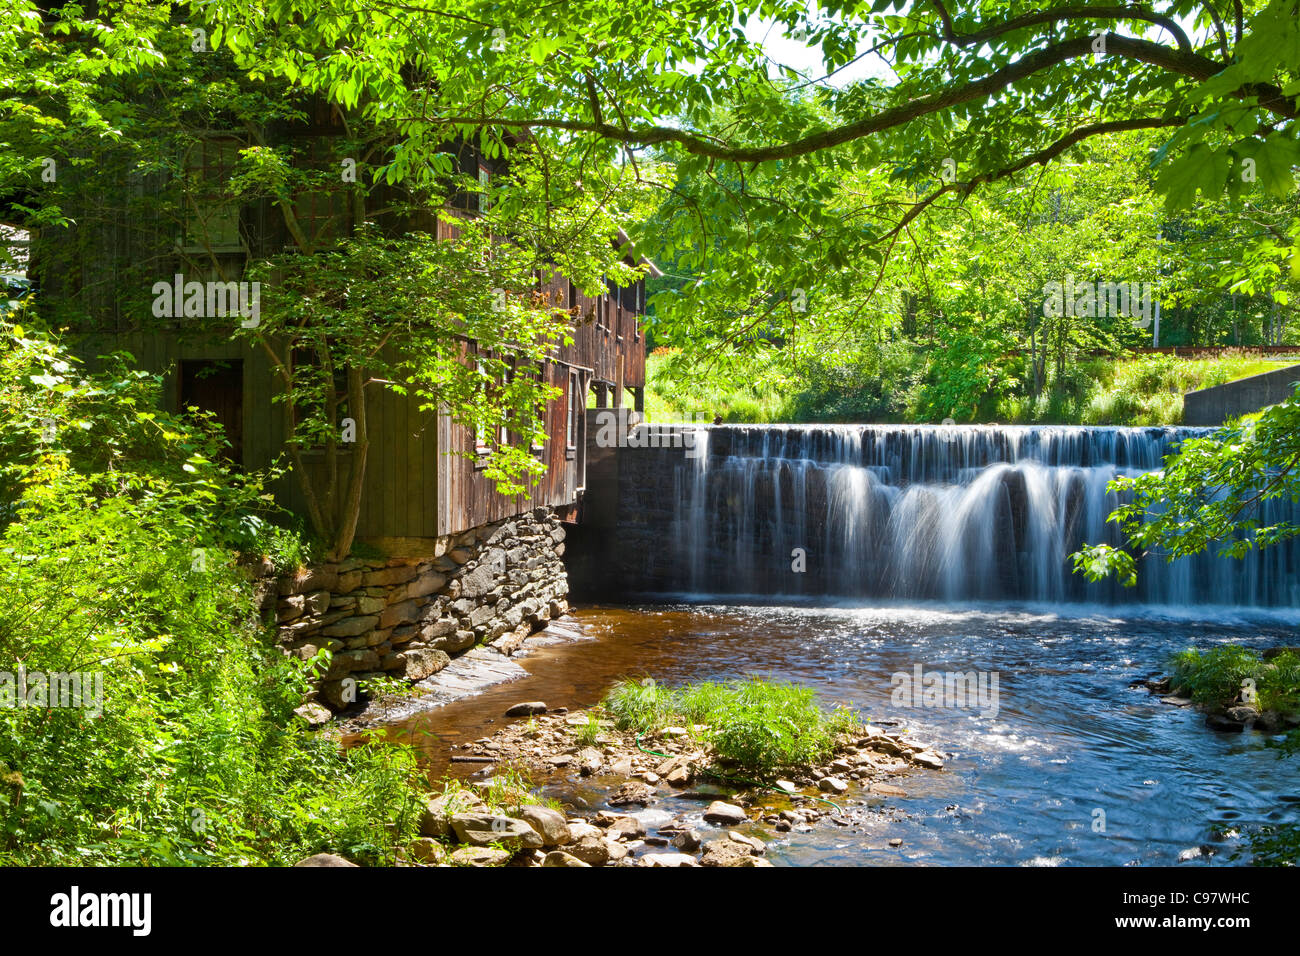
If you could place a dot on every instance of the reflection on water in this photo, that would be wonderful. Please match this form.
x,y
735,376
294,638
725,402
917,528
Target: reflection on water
x,y
1070,737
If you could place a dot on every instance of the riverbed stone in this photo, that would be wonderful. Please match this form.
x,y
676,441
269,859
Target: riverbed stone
x,y
581,829
887,790
550,824
688,840
560,858
728,853
480,856
928,758
724,813
634,792
526,709
626,828
482,829
592,850
756,846
832,785
590,760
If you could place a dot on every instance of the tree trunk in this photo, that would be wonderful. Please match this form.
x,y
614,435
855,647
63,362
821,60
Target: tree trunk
x,y
347,524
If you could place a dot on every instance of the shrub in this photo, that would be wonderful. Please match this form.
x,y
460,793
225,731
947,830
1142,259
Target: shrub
x,y
1214,677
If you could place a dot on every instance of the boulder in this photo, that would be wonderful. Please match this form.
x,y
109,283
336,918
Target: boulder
x,y
550,824
726,814
435,820
425,850
418,663
482,829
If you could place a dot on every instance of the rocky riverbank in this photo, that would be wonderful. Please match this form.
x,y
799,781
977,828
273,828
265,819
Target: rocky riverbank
x,y
493,820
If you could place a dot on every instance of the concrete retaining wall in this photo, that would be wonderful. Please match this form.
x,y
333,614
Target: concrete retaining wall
x,y
1214,406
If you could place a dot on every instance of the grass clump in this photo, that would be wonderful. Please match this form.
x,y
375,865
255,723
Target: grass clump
x,y
1215,677
759,726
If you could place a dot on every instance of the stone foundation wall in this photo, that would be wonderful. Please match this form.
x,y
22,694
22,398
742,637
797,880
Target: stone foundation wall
x,y
407,617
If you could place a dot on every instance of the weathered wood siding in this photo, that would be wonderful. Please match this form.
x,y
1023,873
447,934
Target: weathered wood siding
x,y
400,484
467,498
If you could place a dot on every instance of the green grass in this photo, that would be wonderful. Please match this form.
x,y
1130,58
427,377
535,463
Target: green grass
x,y
758,726
588,732
1136,391
1215,677
762,397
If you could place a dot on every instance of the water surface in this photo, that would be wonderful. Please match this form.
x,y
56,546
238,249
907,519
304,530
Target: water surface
x,y
1024,787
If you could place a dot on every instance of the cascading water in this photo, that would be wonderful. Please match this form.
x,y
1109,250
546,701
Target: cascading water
x,y
935,513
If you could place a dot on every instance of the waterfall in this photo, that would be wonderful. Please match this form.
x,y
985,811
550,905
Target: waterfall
x,y
951,513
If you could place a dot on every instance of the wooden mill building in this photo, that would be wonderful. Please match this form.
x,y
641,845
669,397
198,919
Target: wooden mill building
x,y
414,488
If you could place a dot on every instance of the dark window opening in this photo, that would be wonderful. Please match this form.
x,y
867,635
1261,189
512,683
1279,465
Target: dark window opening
x,y
217,387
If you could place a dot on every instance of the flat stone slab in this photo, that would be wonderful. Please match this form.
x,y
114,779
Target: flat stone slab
x,y
467,674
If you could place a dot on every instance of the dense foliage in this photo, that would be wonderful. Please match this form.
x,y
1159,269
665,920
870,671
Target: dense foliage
x,y
119,540
1216,492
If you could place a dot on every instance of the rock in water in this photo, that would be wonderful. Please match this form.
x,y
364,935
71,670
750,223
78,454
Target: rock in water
x,y
832,785
632,792
724,813
590,760
529,708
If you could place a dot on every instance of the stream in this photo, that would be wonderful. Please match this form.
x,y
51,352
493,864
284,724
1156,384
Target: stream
x,y
1075,768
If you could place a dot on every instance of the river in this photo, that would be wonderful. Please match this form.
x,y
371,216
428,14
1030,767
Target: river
x,y
1075,768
